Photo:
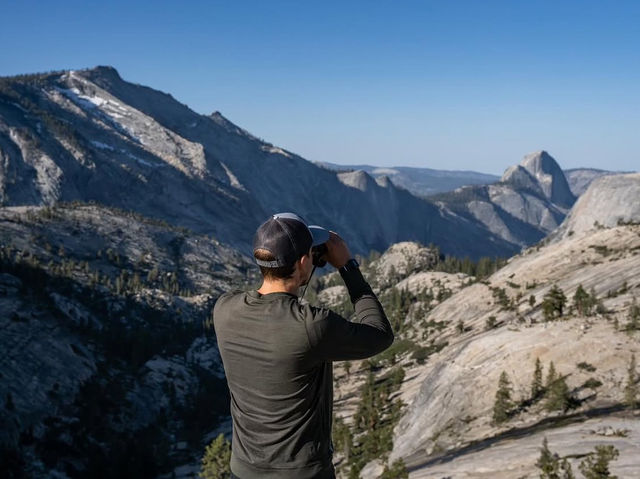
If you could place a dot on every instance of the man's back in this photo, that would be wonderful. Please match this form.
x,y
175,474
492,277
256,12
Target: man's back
x,y
277,353
277,356
281,393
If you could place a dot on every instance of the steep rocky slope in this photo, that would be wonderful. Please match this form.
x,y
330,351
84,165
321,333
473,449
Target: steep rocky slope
x,y
609,201
106,367
459,388
91,136
457,333
410,280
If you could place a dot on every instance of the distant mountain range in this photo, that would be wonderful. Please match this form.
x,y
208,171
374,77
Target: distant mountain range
x,y
580,178
91,136
427,181
420,181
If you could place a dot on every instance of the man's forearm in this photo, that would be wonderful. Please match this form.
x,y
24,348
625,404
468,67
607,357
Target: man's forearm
x,y
356,284
367,307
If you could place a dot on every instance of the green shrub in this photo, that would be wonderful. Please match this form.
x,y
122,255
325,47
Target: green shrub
x,y
215,462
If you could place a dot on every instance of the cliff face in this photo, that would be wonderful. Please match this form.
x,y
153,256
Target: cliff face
x,y
105,355
609,201
550,178
91,136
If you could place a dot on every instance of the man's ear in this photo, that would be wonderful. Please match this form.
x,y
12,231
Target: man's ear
x,y
304,260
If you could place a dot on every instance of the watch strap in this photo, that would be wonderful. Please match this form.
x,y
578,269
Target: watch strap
x,y
350,265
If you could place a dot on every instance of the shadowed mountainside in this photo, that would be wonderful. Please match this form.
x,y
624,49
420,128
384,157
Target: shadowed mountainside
x,y
106,367
91,136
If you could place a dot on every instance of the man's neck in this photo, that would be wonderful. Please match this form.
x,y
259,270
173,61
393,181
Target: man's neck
x,y
268,287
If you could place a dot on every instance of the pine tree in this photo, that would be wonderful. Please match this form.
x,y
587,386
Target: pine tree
x,y
398,470
558,397
152,275
633,318
551,376
631,398
536,385
342,437
582,301
368,414
553,303
503,403
598,467
215,462
550,465
567,471
547,462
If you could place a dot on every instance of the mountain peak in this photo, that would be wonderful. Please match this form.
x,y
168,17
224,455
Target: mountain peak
x,y
105,70
101,71
358,179
544,171
540,161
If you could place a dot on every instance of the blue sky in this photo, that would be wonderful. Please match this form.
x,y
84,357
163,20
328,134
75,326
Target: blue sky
x,y
449,85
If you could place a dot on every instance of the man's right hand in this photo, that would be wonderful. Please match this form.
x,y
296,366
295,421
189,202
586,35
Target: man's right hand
x,y
337,251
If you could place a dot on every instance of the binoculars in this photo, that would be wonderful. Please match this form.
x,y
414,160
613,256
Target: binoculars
x,y
318,255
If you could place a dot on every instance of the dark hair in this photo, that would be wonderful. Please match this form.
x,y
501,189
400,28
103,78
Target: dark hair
x,y
281,272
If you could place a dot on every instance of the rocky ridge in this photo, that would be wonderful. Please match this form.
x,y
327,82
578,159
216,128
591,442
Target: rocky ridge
x,y
609,201
480,328
474,363
83,135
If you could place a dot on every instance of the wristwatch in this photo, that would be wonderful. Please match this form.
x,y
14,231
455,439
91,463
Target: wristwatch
x,y
350,265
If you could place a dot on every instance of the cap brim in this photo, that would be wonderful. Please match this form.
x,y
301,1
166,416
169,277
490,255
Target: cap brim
x,y
319,234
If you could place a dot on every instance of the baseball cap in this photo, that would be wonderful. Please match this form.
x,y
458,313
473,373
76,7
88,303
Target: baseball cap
x,y
287,237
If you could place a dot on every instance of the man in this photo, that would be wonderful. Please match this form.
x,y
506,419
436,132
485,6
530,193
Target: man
x,y
277,353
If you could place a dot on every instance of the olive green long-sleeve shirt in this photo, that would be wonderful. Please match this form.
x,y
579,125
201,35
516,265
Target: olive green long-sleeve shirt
x,y
277,355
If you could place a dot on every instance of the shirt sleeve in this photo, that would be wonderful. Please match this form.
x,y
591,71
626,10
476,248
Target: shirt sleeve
x,y
334,338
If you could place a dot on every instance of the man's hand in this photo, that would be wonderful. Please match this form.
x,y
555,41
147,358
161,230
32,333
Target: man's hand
x,y
337,251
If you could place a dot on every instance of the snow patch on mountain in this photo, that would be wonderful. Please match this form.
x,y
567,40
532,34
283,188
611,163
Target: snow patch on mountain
x,y
275,150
